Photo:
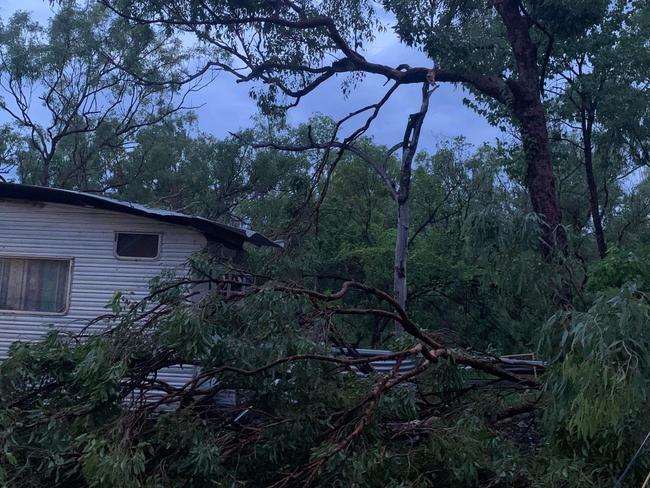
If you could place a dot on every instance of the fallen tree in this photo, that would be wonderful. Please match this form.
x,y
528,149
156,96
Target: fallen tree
x,y
101,391
95,410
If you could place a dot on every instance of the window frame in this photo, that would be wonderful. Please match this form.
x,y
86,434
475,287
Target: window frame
x,y
137,258
68,291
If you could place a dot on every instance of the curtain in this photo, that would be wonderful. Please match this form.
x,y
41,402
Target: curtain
x,y
34,285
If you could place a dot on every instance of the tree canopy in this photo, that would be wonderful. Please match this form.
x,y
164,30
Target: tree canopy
x,y
517,349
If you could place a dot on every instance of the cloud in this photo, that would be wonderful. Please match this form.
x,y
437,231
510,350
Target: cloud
x,y
224,106
40,9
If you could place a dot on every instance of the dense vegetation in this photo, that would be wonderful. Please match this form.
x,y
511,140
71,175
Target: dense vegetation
x,y
488,274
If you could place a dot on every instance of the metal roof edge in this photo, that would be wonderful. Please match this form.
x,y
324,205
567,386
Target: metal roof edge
x,y
227,234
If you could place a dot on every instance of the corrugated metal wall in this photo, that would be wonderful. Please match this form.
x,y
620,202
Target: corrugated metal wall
x,y
87,236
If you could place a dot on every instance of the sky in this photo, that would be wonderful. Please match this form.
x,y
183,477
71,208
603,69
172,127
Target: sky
x,y
224,106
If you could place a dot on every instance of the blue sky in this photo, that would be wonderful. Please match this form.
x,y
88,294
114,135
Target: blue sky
x,y
225,106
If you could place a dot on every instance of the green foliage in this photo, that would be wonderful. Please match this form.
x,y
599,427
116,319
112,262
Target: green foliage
x,y
476,280
620,267
70,412
75,93
67,416
597,387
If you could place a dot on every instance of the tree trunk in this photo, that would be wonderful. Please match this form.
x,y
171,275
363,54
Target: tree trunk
x,y
45,172
540,179
529,112
401,253
402,195
587,146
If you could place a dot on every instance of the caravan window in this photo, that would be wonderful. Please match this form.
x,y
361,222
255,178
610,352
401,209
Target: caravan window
x,y
39,285
130,245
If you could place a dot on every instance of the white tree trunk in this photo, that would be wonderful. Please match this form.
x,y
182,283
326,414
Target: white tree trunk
x,y
401,254
401,195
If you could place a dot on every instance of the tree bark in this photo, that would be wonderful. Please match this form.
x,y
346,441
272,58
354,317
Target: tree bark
x,y
45,172
401,253
403,193
519,87
540,179
594,206
529,112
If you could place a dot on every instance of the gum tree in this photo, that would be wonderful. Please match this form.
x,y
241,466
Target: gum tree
x,y
398,186
599,101
73,89
499,50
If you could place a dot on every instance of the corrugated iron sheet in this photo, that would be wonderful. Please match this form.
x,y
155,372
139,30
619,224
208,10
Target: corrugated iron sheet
x,y
380,367
87,236
227,234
